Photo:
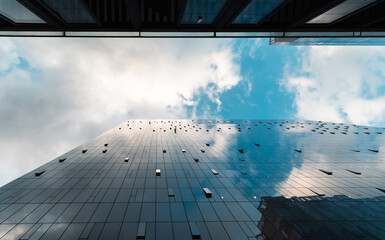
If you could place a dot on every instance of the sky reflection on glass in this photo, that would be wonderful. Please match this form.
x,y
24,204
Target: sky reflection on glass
x,y
213,176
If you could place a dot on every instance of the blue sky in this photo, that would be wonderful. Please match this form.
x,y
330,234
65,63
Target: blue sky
x,y
259,95
57,93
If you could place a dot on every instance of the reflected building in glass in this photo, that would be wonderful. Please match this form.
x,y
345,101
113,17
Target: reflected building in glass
x,y
206,179
318,217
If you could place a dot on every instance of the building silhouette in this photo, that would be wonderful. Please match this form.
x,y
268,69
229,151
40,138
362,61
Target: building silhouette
x,y
284,21
210,179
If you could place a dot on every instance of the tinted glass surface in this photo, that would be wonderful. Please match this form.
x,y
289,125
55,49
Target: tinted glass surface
x,y
17,12
72,11
274,178
256,10
202,11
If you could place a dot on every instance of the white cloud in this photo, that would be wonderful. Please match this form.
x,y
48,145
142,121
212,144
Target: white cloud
x,y
339,84
74,89
8,56
250,46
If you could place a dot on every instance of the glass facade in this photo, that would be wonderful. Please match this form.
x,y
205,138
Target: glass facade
x,y
194,18
72,11
207,179
17,13
338,217
343,9
201,11
330,41
256,10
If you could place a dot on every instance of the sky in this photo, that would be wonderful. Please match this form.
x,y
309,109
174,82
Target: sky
x,y
57,93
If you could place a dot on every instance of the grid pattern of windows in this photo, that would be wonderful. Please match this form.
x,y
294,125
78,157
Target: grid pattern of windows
x,y
184,179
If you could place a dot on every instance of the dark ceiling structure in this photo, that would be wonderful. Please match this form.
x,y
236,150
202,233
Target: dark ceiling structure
x,y
192,18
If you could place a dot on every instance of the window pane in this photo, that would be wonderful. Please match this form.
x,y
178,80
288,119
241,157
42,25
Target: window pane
x,y
340,11
201,11
72,11
16,12
256,10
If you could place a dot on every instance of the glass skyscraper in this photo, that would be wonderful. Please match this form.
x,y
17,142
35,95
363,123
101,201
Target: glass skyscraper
x,y
206,179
